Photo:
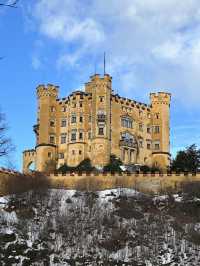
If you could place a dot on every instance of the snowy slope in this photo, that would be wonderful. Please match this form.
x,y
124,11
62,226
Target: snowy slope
x,y
111,227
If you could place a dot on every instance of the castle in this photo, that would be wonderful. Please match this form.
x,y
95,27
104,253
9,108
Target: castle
x,y
96,123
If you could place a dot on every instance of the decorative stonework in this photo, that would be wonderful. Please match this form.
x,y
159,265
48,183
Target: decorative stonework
x,y
96,135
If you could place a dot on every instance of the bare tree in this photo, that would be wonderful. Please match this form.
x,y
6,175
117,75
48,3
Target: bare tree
x,y
5,143
9,4
12,4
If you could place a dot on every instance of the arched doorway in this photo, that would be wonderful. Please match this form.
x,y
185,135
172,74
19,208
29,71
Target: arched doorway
x,y
31,166
28,161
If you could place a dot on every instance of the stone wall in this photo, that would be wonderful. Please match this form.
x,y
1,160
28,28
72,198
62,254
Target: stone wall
x,y
147,182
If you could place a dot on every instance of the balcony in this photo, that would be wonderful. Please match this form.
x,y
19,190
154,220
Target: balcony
x,y
101,118
36,129
127,143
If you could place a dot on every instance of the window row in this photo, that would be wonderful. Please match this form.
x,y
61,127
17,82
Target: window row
x,y
74,135
64,108
73,120
149,145
156,129
61,155
130,110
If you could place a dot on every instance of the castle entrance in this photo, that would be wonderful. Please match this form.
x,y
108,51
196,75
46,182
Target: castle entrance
x,y
28,161
128,146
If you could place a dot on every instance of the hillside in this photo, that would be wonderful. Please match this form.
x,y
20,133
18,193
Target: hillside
x,y
111,227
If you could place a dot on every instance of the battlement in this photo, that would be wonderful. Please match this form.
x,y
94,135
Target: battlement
x,y
47,91
30,152
130,103
160,98
97,77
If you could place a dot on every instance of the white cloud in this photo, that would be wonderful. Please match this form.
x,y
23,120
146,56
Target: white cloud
x,y
64,21
150,43
36,63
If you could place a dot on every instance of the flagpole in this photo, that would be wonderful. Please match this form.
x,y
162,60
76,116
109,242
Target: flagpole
x,y
104,65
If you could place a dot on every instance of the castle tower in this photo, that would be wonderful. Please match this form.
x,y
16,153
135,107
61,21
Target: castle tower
x,y
46,135
161,132
101,118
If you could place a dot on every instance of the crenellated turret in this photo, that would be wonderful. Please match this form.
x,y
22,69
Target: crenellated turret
x,y
46,135
161,132
49,91
101,88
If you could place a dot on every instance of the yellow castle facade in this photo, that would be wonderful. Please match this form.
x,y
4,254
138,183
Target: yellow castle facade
x,y
96,123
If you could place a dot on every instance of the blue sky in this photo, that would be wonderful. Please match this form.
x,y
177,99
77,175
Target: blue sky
x,y
151,45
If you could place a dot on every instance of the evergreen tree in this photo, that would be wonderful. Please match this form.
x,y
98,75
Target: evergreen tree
x,y
187,160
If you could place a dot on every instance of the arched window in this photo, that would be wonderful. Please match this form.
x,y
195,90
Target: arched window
x,y
126,121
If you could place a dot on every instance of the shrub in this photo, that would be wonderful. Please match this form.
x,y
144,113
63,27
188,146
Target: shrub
x,y
146,168
65,168
114,164
84,166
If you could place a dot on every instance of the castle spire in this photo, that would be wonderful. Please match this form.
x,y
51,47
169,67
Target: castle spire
x,y
104,64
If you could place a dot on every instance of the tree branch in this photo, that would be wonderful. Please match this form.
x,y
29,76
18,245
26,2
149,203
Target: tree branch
x,y
13,5
6,145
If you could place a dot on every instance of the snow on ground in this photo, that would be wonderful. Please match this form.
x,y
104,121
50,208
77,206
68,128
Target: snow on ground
x,y
3,201
177,197
66,227
111,193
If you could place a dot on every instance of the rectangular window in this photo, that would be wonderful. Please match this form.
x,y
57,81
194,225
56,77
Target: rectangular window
x,y
73,118
148,146
148,129
156,129
52,108
73,152
101,99
81,104
80,152
63,123
52,139
89,135
80,135
141,143
157,146
81,119
140,127
73,136
52,123
101,131
49,155
90,118
63,138
61,155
